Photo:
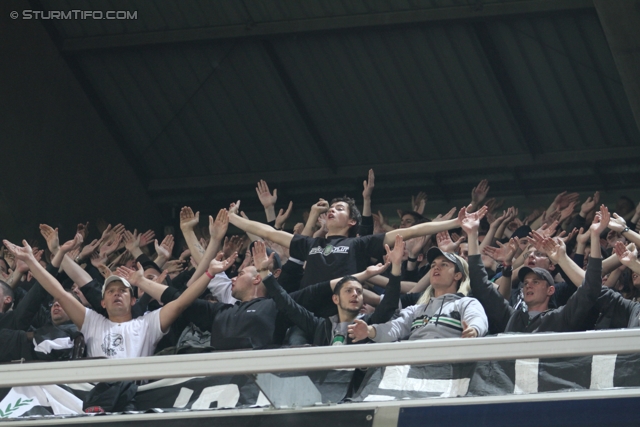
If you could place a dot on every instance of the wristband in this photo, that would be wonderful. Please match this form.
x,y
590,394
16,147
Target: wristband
x,y
412,259
507,271
208,274
263,269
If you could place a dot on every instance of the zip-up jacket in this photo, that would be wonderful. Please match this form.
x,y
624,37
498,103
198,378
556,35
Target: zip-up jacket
x,y
504,318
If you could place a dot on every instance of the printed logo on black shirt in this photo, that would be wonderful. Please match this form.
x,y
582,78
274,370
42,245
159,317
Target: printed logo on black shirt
x,y
329,249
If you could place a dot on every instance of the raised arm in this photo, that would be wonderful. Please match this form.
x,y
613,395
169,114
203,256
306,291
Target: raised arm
x,y
217,231
317,209
428,227
74,309
367,191
170,312
60,258
617,223
188,221
267,199
261,230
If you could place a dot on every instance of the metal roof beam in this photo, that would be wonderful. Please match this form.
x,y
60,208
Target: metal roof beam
x,y
433,166
270,28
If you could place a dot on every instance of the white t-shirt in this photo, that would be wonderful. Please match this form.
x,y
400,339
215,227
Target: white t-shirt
x,y
135,338
220,287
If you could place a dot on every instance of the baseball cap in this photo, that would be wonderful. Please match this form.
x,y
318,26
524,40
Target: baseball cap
x,y
115,278
540,272
435,252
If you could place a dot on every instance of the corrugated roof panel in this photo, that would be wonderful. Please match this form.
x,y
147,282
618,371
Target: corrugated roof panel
x,y
413,89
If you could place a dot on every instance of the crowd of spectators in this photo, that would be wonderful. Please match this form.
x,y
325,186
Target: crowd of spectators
x,y
343,276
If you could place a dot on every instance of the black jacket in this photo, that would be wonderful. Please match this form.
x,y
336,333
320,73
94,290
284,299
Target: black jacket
x,y
503,318
321,327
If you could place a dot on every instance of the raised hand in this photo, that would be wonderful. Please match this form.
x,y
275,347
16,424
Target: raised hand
x,y
563,199
97,260
109,232
445,217
267,199
135,277
617,223
320,207
260,258
470,221
282,216
86,251
548,230
110,247
50,234
23,253
374,270
132,240
188,220
590,204
566,212
368,185
445,244
231,245
479,192
419,202
176,266
146,238
395,256
218,228
503,253
583,236
165,248
415,245
627,255
554,248
83,229
72,244
234,208
601,221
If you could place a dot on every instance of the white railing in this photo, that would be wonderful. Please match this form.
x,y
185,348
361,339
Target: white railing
x,y
506,347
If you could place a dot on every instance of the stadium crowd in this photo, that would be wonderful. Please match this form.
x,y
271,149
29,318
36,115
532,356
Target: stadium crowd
x,y
343,276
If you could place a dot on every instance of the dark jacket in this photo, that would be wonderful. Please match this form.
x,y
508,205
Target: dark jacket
x,y
616,311
321,328
503,318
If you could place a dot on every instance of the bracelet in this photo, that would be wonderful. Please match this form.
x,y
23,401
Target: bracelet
x,y
412,259
208,274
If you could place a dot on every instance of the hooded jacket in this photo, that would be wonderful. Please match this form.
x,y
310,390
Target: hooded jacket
x,y
441,317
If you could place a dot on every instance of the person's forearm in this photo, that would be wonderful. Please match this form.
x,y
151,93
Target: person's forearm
x,y
270,213
154,289
194,246
504,286
262,230
420,230
209,255
472,241
632,237
76,273
309,227
613,278
366,207
572,270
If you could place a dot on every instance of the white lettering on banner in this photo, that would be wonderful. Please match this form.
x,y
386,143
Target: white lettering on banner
x,y
183,397
526,376
397,378
227,396
602,369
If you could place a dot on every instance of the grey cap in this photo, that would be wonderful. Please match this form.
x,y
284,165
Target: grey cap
x,y
435,252
540,272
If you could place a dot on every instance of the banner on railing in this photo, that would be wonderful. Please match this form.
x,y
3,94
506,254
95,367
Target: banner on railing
x,y
523,376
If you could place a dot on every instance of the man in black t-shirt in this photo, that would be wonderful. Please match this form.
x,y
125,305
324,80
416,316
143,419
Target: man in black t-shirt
x,y
341,252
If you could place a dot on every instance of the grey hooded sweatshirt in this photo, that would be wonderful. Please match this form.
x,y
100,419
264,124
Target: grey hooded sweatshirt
x,y
441,318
